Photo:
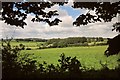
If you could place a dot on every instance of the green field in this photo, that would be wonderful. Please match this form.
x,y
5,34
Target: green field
x,y
29,44
89,57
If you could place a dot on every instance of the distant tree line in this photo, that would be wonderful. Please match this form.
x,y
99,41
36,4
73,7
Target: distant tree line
x,y
25,39
63,42
32,39
74,41
70,40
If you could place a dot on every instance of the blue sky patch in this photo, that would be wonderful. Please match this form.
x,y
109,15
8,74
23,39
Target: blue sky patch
x,y
71,11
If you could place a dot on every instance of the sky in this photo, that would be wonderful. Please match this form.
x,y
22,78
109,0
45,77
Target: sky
x,y
65,29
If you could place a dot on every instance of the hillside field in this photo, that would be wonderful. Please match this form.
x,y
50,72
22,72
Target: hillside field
x,y
90,57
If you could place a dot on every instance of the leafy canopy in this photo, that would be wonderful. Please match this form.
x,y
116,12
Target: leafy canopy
x,y
15,13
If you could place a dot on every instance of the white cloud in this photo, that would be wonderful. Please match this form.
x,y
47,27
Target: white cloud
x,y
64,29
66,21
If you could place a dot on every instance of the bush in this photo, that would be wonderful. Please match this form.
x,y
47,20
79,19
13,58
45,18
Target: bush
x,y
42,47
11,67
78,44
28,48
9,60
69,64
22,47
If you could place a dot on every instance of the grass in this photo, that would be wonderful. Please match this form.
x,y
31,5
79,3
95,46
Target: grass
x,y
29,44
89,57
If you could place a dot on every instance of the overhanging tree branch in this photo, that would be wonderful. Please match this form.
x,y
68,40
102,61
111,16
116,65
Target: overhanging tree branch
x,y
15,13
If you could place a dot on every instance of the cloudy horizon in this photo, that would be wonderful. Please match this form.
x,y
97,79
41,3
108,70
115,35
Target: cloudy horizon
x,y
63,30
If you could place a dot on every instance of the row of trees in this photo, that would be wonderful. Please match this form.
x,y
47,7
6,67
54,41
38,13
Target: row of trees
x,y
26,39
31,39
73,41
70,39
58,42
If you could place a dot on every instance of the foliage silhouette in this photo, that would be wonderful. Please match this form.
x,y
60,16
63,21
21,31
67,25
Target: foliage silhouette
x,y
9,60
105,11
14,13
116,26
114,46
69,64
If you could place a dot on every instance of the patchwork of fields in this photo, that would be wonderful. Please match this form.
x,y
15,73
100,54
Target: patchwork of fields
x,y
90,57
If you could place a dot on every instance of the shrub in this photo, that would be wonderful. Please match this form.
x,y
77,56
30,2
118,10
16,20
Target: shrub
x,y
11,67
69,64
28,48
22,47
9,60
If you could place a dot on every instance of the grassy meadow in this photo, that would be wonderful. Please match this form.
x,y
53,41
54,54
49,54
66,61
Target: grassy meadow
x,y
90,57
30,44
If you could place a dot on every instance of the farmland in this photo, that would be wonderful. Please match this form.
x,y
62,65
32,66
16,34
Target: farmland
x,y
89,57
29,44
84,61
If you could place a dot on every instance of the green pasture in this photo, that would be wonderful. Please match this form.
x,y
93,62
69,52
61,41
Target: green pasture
x,y
90,57
30,44
27,44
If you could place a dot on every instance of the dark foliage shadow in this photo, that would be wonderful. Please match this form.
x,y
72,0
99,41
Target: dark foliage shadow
x,y
114,46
